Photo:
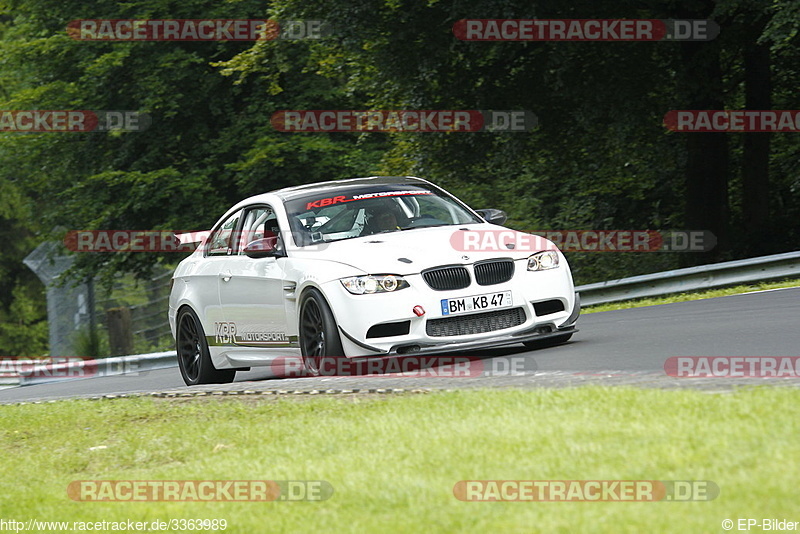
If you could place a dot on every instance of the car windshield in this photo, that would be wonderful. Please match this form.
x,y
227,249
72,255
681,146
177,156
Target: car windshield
x,y
356,211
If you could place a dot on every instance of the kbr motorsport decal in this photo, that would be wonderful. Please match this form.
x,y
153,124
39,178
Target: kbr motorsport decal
x,y
226,334
341,198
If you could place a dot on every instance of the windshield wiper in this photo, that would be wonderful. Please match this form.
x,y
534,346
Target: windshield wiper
x,y
422,226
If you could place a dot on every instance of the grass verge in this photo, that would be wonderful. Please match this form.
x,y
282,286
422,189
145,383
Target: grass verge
x,y
393,460
691,295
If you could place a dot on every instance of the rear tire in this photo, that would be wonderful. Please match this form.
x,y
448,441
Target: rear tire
x,y
549,342
320,343
194,360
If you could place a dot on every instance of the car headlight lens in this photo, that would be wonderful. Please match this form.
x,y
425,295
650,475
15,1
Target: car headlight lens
x,y
389,283
378,283
370,285
542,261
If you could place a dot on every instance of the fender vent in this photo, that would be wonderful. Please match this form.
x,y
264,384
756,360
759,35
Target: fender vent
x,y
389,329
547,307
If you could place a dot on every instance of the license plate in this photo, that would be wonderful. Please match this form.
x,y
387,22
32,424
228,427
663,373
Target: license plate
x,y
489,301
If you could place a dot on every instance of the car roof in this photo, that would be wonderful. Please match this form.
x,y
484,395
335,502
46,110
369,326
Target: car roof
x,y
289,193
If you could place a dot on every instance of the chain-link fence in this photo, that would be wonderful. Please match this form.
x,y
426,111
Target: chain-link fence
x,y
89,321
147,302
67,305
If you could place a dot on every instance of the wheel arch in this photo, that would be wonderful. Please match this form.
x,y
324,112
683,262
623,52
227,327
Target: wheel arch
x,y
301,296
182,306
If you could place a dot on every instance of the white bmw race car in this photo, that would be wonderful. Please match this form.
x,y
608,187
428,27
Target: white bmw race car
x,y
369,267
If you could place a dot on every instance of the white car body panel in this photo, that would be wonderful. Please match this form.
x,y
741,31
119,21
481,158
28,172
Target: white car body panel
x,y
259,297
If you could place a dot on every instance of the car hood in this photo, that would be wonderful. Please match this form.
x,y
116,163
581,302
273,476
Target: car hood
x,y
412,251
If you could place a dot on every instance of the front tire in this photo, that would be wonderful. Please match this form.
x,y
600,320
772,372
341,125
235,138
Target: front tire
x,y
194,359
320,343
549,342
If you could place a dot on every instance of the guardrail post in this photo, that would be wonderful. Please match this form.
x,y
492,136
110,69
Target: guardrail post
x,y
120,333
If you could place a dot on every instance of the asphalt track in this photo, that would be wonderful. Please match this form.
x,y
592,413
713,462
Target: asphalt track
x,y
625,347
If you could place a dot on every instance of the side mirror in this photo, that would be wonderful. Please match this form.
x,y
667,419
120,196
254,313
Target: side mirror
x,y
493,216
262,248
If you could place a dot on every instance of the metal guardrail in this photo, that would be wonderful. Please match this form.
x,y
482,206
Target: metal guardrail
x,y
709,276
120,365
648,285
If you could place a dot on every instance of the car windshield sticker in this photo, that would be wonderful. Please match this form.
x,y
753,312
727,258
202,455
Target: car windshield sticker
x,y
330,201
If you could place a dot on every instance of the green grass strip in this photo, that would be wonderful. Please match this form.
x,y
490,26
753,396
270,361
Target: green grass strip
x,y
393,460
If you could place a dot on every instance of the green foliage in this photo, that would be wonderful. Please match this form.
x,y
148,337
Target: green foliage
x,y
600,158
210,143
90,343
23,327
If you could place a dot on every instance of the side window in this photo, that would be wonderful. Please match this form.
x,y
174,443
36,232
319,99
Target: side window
x,y
442,210
433,208
259,222
221,242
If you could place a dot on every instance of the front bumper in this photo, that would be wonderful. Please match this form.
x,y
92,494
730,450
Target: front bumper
x,y
418,342
536,333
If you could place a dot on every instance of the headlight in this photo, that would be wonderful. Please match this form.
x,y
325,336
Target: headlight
x,y
542,261
378,283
